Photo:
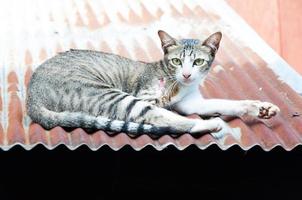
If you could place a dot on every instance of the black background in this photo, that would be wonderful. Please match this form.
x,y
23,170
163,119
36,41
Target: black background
x,y
82,173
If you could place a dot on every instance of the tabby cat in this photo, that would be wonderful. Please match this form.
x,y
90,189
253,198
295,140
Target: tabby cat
x,y
97,90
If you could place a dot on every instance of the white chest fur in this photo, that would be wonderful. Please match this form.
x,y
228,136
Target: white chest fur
x,y
185,93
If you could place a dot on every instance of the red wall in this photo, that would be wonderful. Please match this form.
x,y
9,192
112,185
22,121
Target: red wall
x,y
278,22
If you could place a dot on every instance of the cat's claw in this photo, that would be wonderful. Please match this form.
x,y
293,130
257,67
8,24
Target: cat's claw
x,y
262,110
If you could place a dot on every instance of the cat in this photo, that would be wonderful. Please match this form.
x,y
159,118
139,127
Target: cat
x,y
102,91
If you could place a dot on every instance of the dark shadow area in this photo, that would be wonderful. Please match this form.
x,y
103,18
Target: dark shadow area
x,y
41,173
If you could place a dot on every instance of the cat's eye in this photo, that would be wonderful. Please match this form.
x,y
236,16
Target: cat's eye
x,y
176,61
199,62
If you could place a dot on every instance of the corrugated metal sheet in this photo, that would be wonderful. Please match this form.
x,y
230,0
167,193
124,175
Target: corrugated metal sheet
x,y
33,31
278,23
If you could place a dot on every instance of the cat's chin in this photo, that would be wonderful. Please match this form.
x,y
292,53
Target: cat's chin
x,y
187,82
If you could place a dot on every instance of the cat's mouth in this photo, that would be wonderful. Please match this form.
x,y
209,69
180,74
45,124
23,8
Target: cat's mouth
x,y
187,81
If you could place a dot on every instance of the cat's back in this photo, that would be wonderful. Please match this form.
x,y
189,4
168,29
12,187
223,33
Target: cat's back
x,y
85,69
81,59
78,75
86,64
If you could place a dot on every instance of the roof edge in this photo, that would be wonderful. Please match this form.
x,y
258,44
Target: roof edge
x,y
155,147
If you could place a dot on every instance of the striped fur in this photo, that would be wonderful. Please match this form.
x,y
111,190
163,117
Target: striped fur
x,y
97,90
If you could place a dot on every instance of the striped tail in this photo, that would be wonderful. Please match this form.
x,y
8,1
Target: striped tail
x,y
50,119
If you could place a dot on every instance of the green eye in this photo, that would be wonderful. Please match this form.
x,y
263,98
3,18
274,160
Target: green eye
x,y
198,62
176,61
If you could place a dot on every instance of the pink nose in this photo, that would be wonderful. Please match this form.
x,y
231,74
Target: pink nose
x,y
186,75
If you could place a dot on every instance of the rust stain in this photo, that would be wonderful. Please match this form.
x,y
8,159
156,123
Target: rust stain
x,y
266,83
146,15
120,140
246,139
67,22
252,73
142,141
58,136
154,52
229,141
295,98
28,74
121,50
37,134
28,58
43,54
59,48
1,102
92,19
79,136
159,13
174,11
164,140
79,21
121,18
185,140
105,48
12,79
72,45
1,135
199,11
15,130
139,53
98,139
133,18
90,46
1,109
186,11
204,141
193,34
105,19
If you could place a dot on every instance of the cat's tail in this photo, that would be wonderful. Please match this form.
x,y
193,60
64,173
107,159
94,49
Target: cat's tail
x,y
50,119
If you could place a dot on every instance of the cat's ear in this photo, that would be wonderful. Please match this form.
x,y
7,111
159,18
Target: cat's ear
x,y
166,40
213,42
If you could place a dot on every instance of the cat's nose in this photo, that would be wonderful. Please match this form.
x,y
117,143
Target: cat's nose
x,y
186,76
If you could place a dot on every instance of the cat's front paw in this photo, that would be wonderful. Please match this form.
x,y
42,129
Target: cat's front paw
x,y
262,110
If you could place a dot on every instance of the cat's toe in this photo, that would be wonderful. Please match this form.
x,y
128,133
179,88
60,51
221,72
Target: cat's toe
x,y
268,110
263,110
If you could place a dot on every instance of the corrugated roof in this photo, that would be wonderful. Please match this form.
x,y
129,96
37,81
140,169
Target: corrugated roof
x,y
245,67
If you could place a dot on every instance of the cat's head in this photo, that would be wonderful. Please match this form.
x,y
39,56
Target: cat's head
x,y
189,60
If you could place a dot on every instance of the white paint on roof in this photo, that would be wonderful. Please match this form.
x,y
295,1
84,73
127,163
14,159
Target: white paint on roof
x,y
217,68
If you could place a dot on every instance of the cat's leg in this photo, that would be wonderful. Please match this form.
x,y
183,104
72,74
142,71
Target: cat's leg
x,y
132,109
161,117
194,104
